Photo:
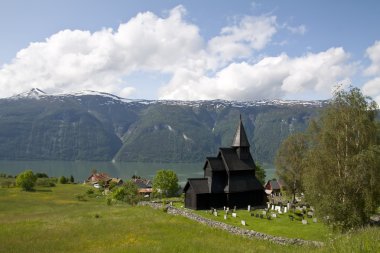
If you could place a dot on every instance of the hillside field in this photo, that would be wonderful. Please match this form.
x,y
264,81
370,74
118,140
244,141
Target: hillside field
x,y
54,220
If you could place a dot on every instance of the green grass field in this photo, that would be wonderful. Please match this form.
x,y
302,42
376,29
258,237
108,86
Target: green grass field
x,y
280,226
53,220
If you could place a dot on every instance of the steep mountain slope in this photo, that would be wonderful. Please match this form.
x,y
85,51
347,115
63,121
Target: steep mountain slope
x,y
101,126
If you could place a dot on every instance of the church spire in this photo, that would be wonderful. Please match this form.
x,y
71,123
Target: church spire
x,y
240,138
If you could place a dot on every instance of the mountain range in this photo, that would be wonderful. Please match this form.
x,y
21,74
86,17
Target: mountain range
x,y
102,127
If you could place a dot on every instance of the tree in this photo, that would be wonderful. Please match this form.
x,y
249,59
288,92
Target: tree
x,y
343,164
290,162
26,180
63,180
260,173
71,179
128,193
166,183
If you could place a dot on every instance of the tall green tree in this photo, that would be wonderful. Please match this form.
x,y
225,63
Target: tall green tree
x,y
260,173
26,180
343,164
166,183
289,162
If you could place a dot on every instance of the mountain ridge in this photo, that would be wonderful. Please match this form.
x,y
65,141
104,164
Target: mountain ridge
x,y
94,125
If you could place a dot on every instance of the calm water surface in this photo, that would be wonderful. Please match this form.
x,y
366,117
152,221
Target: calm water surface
x,y
81,170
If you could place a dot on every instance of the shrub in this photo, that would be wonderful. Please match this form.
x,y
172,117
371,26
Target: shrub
x,y
41,175
63,180
45,182
26,180
7,183
127,193
80,197
90,192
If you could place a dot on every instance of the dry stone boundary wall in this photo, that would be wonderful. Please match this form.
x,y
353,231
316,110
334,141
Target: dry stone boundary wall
x,y
229,228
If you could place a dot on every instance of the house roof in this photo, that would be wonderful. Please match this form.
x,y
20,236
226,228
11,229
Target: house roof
x,y
199,185
232,161
274,185
99,177
216,164
240,137
142,183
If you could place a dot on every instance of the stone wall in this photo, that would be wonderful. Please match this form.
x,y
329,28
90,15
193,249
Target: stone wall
x,y
229,228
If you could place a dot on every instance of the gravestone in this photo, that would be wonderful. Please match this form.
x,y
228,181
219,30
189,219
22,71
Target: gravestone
x,y
274,215
272,207
234,208
249,208
315,220
243,222
215,213
234,215
224,208
285,209
288,205
304,222
268,204
225,216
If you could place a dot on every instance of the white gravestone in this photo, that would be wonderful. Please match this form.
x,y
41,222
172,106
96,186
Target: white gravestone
x,y
249,208
315,220
285,209
234,215
274,215
304,222
243,222
225,216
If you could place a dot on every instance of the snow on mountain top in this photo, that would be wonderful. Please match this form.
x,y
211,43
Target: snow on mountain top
x,y
36,93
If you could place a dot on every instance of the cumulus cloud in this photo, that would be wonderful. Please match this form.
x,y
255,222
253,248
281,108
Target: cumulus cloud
x,y
251,33
76,60
222,67
271,77
373,53
372,87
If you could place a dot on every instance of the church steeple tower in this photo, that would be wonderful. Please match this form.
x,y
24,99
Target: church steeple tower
x,y
240,138
240,142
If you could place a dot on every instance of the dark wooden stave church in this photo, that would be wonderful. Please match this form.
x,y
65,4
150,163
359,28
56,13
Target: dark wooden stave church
x,y
229,178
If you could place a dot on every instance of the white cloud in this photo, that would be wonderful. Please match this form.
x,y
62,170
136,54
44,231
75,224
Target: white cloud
x,y
372,89
72,60
251,33
373,54
272,77
297,29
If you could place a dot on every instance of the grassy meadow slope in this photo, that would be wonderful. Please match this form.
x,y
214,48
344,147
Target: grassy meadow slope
x,y
53,220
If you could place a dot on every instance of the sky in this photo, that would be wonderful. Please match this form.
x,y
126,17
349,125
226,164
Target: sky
x,y
191,50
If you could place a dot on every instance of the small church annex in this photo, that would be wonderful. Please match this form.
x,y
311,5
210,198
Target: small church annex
x,y
229,178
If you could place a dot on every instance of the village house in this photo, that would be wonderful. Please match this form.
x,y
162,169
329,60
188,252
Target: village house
x,y
273,187
144,186
229,178
100,179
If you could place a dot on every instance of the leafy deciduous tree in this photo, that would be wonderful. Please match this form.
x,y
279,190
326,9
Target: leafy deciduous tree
x,y
166,183
343,164
290,162
26,180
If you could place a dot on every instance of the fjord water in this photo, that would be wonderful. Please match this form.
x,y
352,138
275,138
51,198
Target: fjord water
x,y
82,169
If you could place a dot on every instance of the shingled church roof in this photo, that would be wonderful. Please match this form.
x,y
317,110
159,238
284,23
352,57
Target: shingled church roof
x,y
199,185
240,137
